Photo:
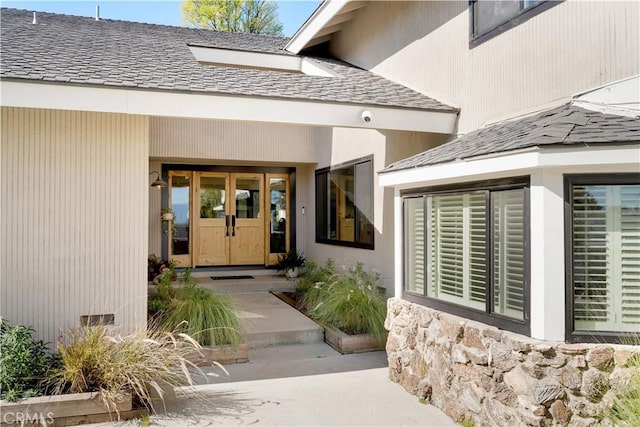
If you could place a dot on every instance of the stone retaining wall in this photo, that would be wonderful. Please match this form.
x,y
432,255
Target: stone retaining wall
x,y
496,378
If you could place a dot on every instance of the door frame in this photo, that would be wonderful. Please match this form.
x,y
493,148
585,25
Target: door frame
x,y
287,172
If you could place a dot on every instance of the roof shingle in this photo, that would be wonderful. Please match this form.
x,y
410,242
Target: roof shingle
x,y
565,125
72,49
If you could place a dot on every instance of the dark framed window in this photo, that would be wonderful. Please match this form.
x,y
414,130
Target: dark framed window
x,y
466,251
344,204
488,18
602,219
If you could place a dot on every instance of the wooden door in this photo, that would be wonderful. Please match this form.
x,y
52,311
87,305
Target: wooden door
x,y
211,216
247,219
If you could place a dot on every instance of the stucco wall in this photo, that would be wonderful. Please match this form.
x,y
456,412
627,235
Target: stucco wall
x,y
346,145
73,214
569,48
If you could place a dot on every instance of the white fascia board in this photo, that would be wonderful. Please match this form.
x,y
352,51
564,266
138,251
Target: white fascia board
x,y
321,17
216,106
243,58
261,60
522,162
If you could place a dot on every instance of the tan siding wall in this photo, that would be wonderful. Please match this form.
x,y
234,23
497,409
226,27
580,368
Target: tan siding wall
x,y
155,203
569,48
73,213
232,141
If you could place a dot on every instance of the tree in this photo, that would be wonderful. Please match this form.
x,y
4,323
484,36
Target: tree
x,y
246,16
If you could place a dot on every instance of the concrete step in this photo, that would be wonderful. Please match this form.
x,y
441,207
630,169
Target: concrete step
x,y
267,321
259,283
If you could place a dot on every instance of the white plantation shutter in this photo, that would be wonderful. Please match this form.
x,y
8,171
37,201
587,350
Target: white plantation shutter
x,y
456,236
630,255
508,252
606,257
415,244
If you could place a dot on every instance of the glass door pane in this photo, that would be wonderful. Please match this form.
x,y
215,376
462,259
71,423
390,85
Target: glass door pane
x,y
248,197
179,200
278,215
212,197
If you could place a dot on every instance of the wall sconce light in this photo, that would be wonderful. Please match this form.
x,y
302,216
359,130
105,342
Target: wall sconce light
x,y
158,183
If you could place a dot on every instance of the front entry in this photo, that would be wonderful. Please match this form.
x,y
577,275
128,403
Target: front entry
x,y
228,218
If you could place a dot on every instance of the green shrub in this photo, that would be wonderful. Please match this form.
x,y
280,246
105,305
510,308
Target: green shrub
x,y
24,362
98,360
350,301
625,411
316,275
210,318
157,308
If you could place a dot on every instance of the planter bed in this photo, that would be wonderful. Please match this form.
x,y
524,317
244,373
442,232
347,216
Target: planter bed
x,y
340,341
65,410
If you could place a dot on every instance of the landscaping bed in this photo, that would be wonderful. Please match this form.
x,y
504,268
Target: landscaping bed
x,y
66,410
347,304
340,341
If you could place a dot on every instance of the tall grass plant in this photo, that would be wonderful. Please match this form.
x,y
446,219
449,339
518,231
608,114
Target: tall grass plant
x,y
348,300
95,359
211,319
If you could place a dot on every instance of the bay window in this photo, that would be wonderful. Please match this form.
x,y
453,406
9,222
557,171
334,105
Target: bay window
x,y
466,252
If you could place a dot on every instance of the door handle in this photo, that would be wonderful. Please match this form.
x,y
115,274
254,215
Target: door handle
x,y
233,225
227,220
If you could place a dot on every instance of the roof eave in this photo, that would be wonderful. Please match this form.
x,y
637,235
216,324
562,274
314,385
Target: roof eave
x,y
513,163
319,26
175,103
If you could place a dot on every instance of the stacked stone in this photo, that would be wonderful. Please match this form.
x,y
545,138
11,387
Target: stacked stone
x,y
494,378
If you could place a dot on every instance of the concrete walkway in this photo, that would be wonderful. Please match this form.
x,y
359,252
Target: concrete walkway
x,y
356,398
292,378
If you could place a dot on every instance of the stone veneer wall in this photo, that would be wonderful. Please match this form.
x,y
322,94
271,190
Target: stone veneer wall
x,y
496,378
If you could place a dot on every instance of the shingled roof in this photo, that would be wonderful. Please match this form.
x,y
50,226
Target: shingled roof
x,y
80,50
565,125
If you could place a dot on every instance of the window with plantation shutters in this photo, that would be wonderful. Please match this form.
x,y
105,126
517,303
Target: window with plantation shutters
x,y
508,252
465,252
605,243
457,248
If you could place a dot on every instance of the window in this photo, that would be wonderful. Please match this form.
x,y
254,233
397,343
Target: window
x,y
603,256
344,204
465,252
492,17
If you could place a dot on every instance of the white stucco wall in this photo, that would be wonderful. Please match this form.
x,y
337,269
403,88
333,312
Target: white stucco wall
x,y
572,47
73,218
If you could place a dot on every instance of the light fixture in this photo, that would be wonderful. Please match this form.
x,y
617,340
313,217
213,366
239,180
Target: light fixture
x,y
158,183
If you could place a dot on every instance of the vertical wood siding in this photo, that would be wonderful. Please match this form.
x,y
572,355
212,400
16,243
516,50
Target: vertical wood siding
x,y
155,207
235,141
73,213
572,47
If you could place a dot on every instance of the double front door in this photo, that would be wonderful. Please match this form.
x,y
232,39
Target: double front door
x,y
228,218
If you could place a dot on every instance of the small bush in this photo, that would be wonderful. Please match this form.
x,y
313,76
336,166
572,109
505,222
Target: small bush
x,y
24,362
97,360
211,319
350,301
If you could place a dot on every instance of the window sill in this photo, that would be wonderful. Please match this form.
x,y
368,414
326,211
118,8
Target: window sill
x,y
519,327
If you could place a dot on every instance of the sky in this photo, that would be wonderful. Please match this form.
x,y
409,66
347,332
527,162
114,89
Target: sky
x,y
292,13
